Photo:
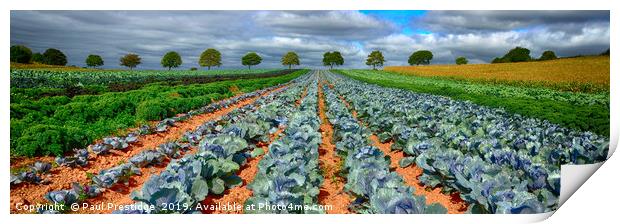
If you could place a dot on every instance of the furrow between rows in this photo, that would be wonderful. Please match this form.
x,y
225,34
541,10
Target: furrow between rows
x,y
332,191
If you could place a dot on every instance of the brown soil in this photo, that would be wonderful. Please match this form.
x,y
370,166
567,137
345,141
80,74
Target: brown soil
x,y
331,192
62,177
25,162
303,95
410,174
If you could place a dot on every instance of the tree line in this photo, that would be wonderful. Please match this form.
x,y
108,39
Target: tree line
x,y
208,58
172,59
213,58
521,54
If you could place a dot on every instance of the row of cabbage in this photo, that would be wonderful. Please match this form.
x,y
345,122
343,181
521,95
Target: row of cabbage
x,y
80,157
23,78
223,147
369,179
31,173
226,131
499,162
111,177
288,177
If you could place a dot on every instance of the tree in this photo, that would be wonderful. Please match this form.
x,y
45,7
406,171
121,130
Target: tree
x,y
20,54
131,60
290,59
374,59
37,57
332,58
210,58
518,54
171,59
54,57
94,60
461,61
499,60
251,59
422,57
547,55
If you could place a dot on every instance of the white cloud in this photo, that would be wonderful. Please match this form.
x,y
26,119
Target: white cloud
x,y
483,47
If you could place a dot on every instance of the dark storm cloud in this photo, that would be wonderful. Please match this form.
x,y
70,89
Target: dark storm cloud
x,y
151,34
504,20
115,33
348,25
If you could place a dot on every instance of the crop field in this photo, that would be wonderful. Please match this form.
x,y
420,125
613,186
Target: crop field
x,y
580,74
56,124
29,78
294,142
41,66
575,110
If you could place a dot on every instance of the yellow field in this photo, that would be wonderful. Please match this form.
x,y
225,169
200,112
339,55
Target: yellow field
x,y
582,74
48,67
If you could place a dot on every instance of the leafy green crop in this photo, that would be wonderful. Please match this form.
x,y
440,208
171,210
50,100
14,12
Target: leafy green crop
x,y
55,125
294,186
581,111
377,189
224,146
24,78
499,162
39,84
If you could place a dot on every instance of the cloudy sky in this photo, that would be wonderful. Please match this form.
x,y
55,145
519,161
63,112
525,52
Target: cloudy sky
x,y
478,35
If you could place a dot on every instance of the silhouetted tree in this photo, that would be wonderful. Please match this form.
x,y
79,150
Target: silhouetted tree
x,y
20,54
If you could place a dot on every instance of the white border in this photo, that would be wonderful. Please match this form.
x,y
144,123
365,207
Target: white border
x,y
582,207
